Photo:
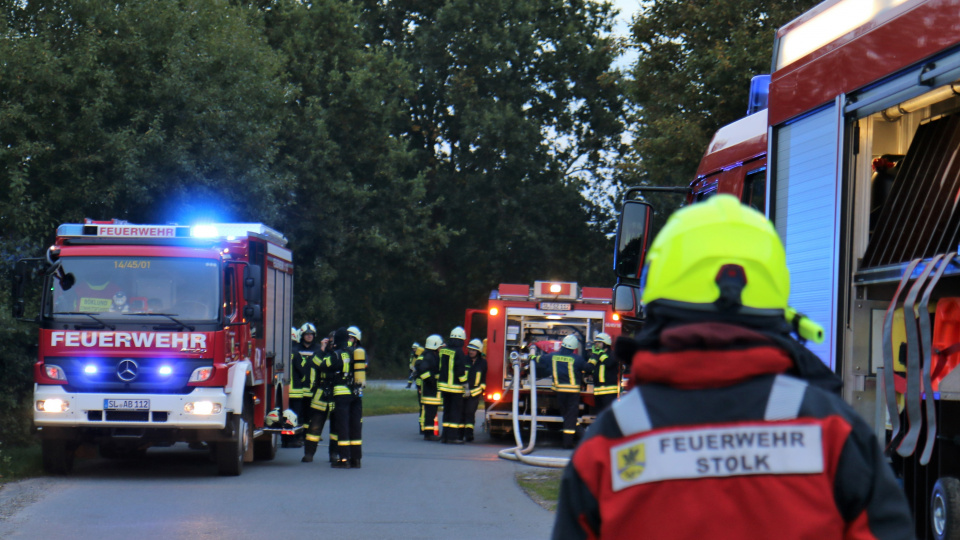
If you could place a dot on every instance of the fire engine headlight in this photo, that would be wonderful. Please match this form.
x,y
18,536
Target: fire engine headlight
x,y
202,407
53,405
55,372
495,396
201,374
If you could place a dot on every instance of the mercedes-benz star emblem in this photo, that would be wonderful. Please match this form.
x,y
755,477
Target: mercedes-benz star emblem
x,y
127,370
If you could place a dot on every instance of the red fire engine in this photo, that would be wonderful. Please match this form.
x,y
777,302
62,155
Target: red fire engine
x,y
520,315
863,183
154,334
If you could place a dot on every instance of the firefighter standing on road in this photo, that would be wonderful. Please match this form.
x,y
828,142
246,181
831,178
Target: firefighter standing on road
x,y
321,405
605,370
348,408
301,378
427,367
476,381
451,379
566,368
728,414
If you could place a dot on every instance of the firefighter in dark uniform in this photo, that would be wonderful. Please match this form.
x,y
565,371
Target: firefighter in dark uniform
x,y
566,369
476,384
321,405
427,367
451,379
348,408
604,367
728,412
301,379
359,355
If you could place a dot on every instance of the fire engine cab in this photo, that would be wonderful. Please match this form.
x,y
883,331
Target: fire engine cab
x,y
155,334
518,316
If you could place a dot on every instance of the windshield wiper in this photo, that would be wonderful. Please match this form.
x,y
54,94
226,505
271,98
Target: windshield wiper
x,y
101,323
167,315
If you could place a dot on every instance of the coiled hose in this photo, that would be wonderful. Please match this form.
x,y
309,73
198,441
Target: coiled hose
x,y
519,452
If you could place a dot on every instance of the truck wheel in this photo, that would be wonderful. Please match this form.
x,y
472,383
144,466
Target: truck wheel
x,y
945,509
58,455
265,448
230,453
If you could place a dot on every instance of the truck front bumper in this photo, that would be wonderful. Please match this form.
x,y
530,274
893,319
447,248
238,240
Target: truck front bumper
x,y
88,410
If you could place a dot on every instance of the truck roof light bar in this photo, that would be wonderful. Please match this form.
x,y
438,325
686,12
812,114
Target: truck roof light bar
x,y
122,229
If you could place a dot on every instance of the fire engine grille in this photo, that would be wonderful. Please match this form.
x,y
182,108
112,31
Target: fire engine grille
x,y
920,218
127,416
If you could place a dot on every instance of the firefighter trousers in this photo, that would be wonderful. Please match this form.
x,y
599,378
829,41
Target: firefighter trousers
x,y
452,416
428,413
348,412
569,405
603,401
318,417
470,405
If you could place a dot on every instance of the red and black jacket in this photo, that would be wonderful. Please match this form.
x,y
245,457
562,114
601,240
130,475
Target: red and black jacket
x,y
717,440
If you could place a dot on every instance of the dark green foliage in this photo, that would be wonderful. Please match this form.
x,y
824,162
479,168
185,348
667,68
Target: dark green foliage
x,y
496,83
415,153
696,59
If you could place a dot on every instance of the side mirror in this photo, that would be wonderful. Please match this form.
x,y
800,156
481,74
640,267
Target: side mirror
x,y
625,299
251,312
632,233
252,284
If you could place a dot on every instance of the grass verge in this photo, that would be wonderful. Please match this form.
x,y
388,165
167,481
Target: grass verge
x,y
20,462
378,401
541,485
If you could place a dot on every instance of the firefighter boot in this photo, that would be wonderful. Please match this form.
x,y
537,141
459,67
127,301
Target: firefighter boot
x,y
309,449
355,463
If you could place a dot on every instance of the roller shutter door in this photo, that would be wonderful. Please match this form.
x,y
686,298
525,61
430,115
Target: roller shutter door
x,y
806,215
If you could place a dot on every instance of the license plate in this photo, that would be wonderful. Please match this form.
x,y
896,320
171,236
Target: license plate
x,y
126,404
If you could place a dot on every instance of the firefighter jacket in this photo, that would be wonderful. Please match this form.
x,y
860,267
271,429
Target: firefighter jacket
x,y
323,376
452,373
340,365
605,369
426,368
477,375
359,355
718,440
301,369
565,367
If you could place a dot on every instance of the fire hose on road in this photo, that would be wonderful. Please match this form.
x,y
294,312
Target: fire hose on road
x,y
519,452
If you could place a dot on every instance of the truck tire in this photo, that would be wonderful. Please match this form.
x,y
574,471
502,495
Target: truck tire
x,y
945,509
265,448
58,455
231,453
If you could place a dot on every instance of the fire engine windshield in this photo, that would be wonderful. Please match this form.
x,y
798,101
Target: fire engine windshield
x,y
114,287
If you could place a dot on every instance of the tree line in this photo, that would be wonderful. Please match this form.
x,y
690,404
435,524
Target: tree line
x,y
416,153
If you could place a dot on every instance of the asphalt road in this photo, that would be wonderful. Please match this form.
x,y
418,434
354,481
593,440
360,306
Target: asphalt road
x,y
407,488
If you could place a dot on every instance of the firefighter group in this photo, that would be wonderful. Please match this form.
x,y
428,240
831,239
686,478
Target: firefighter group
x,y
447,377
329,375
327,382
